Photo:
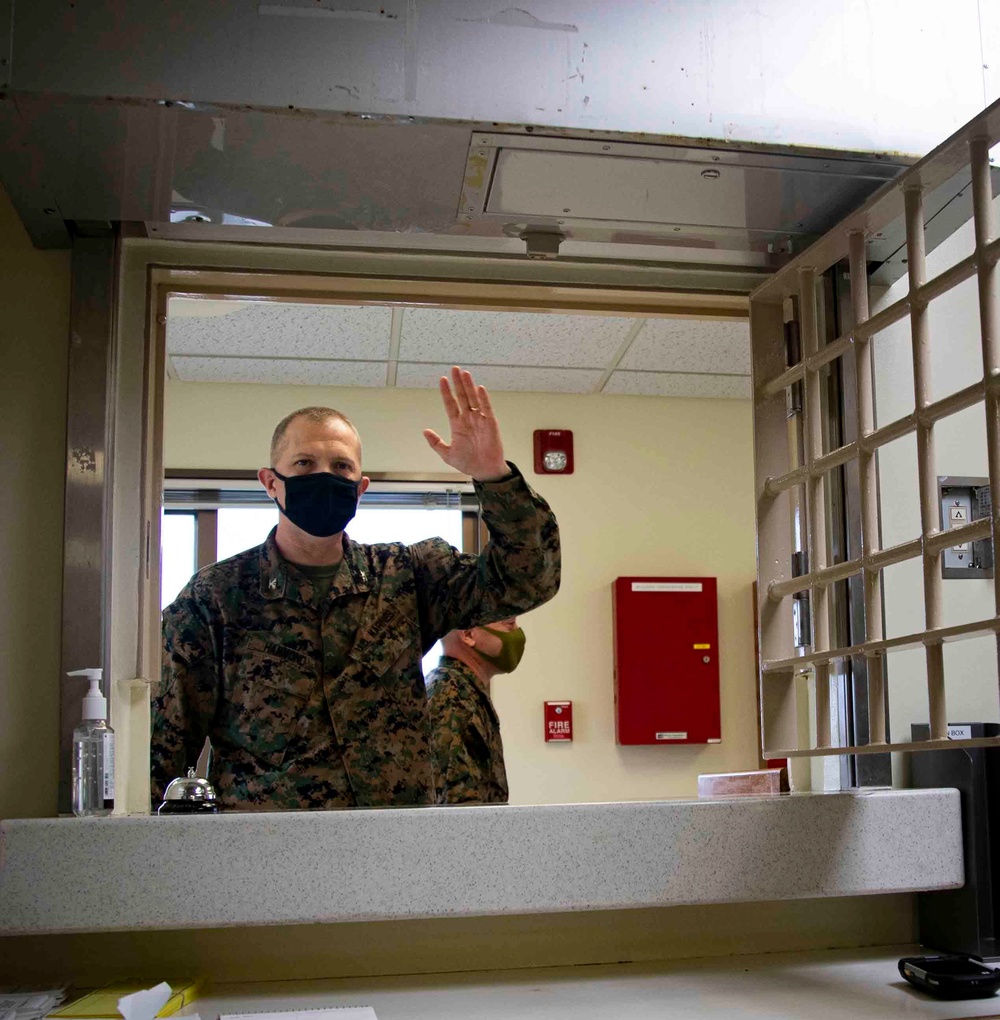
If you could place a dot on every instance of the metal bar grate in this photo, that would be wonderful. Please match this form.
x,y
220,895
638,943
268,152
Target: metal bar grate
x,y
988,279
816,533
865,391
792,476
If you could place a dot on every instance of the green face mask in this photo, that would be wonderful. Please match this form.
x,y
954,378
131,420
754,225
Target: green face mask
x,y
512,642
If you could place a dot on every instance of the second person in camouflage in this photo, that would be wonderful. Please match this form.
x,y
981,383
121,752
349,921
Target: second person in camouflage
x,y
300,658
467,751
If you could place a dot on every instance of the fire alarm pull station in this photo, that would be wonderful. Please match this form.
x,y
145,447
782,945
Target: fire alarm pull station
x,y
558,721
666,660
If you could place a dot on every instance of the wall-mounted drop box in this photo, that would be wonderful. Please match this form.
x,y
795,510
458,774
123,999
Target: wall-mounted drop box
x,y
666,660
963,500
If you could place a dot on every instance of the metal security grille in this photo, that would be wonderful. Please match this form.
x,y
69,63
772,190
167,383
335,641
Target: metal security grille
x,y
794,468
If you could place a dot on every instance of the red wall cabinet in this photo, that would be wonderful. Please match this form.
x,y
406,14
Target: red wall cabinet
x,y
666,660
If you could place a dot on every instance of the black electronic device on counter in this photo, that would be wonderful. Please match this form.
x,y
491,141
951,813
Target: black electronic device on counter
x,y
950,977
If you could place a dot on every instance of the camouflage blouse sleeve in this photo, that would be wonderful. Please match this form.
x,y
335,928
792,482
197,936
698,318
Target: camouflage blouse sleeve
x,y
184,700
517,571
460,754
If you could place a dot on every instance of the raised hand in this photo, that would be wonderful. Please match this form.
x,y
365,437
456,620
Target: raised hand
x,y
476,448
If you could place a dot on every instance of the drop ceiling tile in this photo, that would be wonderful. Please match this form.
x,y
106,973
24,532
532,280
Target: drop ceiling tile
x,y
511,338
690,345
280,330
679,384
275,370
498,377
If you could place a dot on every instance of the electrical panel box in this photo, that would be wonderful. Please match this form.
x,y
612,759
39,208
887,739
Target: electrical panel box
x,y
963,500
666,632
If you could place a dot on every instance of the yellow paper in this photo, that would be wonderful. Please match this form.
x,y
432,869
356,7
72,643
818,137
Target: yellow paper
x,y
103,1003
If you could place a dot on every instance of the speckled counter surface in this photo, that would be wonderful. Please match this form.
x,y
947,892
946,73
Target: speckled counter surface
x,y
301,867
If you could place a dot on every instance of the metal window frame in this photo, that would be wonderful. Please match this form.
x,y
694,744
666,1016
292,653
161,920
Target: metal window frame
x,y
90,458
866,769
779,475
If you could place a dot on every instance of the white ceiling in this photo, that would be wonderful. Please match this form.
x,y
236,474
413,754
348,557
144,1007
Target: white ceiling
x,y
336,345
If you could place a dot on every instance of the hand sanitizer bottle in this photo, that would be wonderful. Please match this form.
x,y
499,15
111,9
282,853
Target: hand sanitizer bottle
x,y
93,752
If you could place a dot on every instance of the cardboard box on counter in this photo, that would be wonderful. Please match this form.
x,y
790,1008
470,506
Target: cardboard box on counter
x,y
760,783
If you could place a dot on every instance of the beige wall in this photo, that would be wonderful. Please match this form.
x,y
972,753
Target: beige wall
x,y
448,945
662,487
34,296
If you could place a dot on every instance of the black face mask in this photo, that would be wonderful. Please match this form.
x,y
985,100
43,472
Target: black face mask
x,y
321,504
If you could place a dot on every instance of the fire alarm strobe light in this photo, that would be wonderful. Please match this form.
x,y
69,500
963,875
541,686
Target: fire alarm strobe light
x,y
553,452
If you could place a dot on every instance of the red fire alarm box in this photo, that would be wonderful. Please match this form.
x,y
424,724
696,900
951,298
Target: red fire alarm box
x,y
553,452
558,720
666,660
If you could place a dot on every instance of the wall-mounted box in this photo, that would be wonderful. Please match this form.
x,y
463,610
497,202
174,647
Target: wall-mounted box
x,y
553,451
962,500
666,652
558,721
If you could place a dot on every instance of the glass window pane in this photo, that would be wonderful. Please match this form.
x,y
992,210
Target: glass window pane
x,y
242,528
177,554
406,525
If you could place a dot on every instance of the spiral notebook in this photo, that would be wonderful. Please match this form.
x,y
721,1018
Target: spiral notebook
x,y
327,1013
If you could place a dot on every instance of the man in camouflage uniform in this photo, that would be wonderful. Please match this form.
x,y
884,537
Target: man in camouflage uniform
x,y
466,748
300,659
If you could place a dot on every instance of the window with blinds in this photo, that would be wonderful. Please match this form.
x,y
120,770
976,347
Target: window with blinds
x,y
206,518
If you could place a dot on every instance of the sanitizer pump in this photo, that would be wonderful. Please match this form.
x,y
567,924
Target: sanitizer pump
x,y
93,752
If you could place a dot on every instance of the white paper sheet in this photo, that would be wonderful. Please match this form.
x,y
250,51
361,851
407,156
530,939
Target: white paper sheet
x,y
146,1004
30,1005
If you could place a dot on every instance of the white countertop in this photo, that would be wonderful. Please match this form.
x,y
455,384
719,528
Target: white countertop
x,y
859,984
104,874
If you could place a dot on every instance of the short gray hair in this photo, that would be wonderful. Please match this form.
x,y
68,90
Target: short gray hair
x,y
314,414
